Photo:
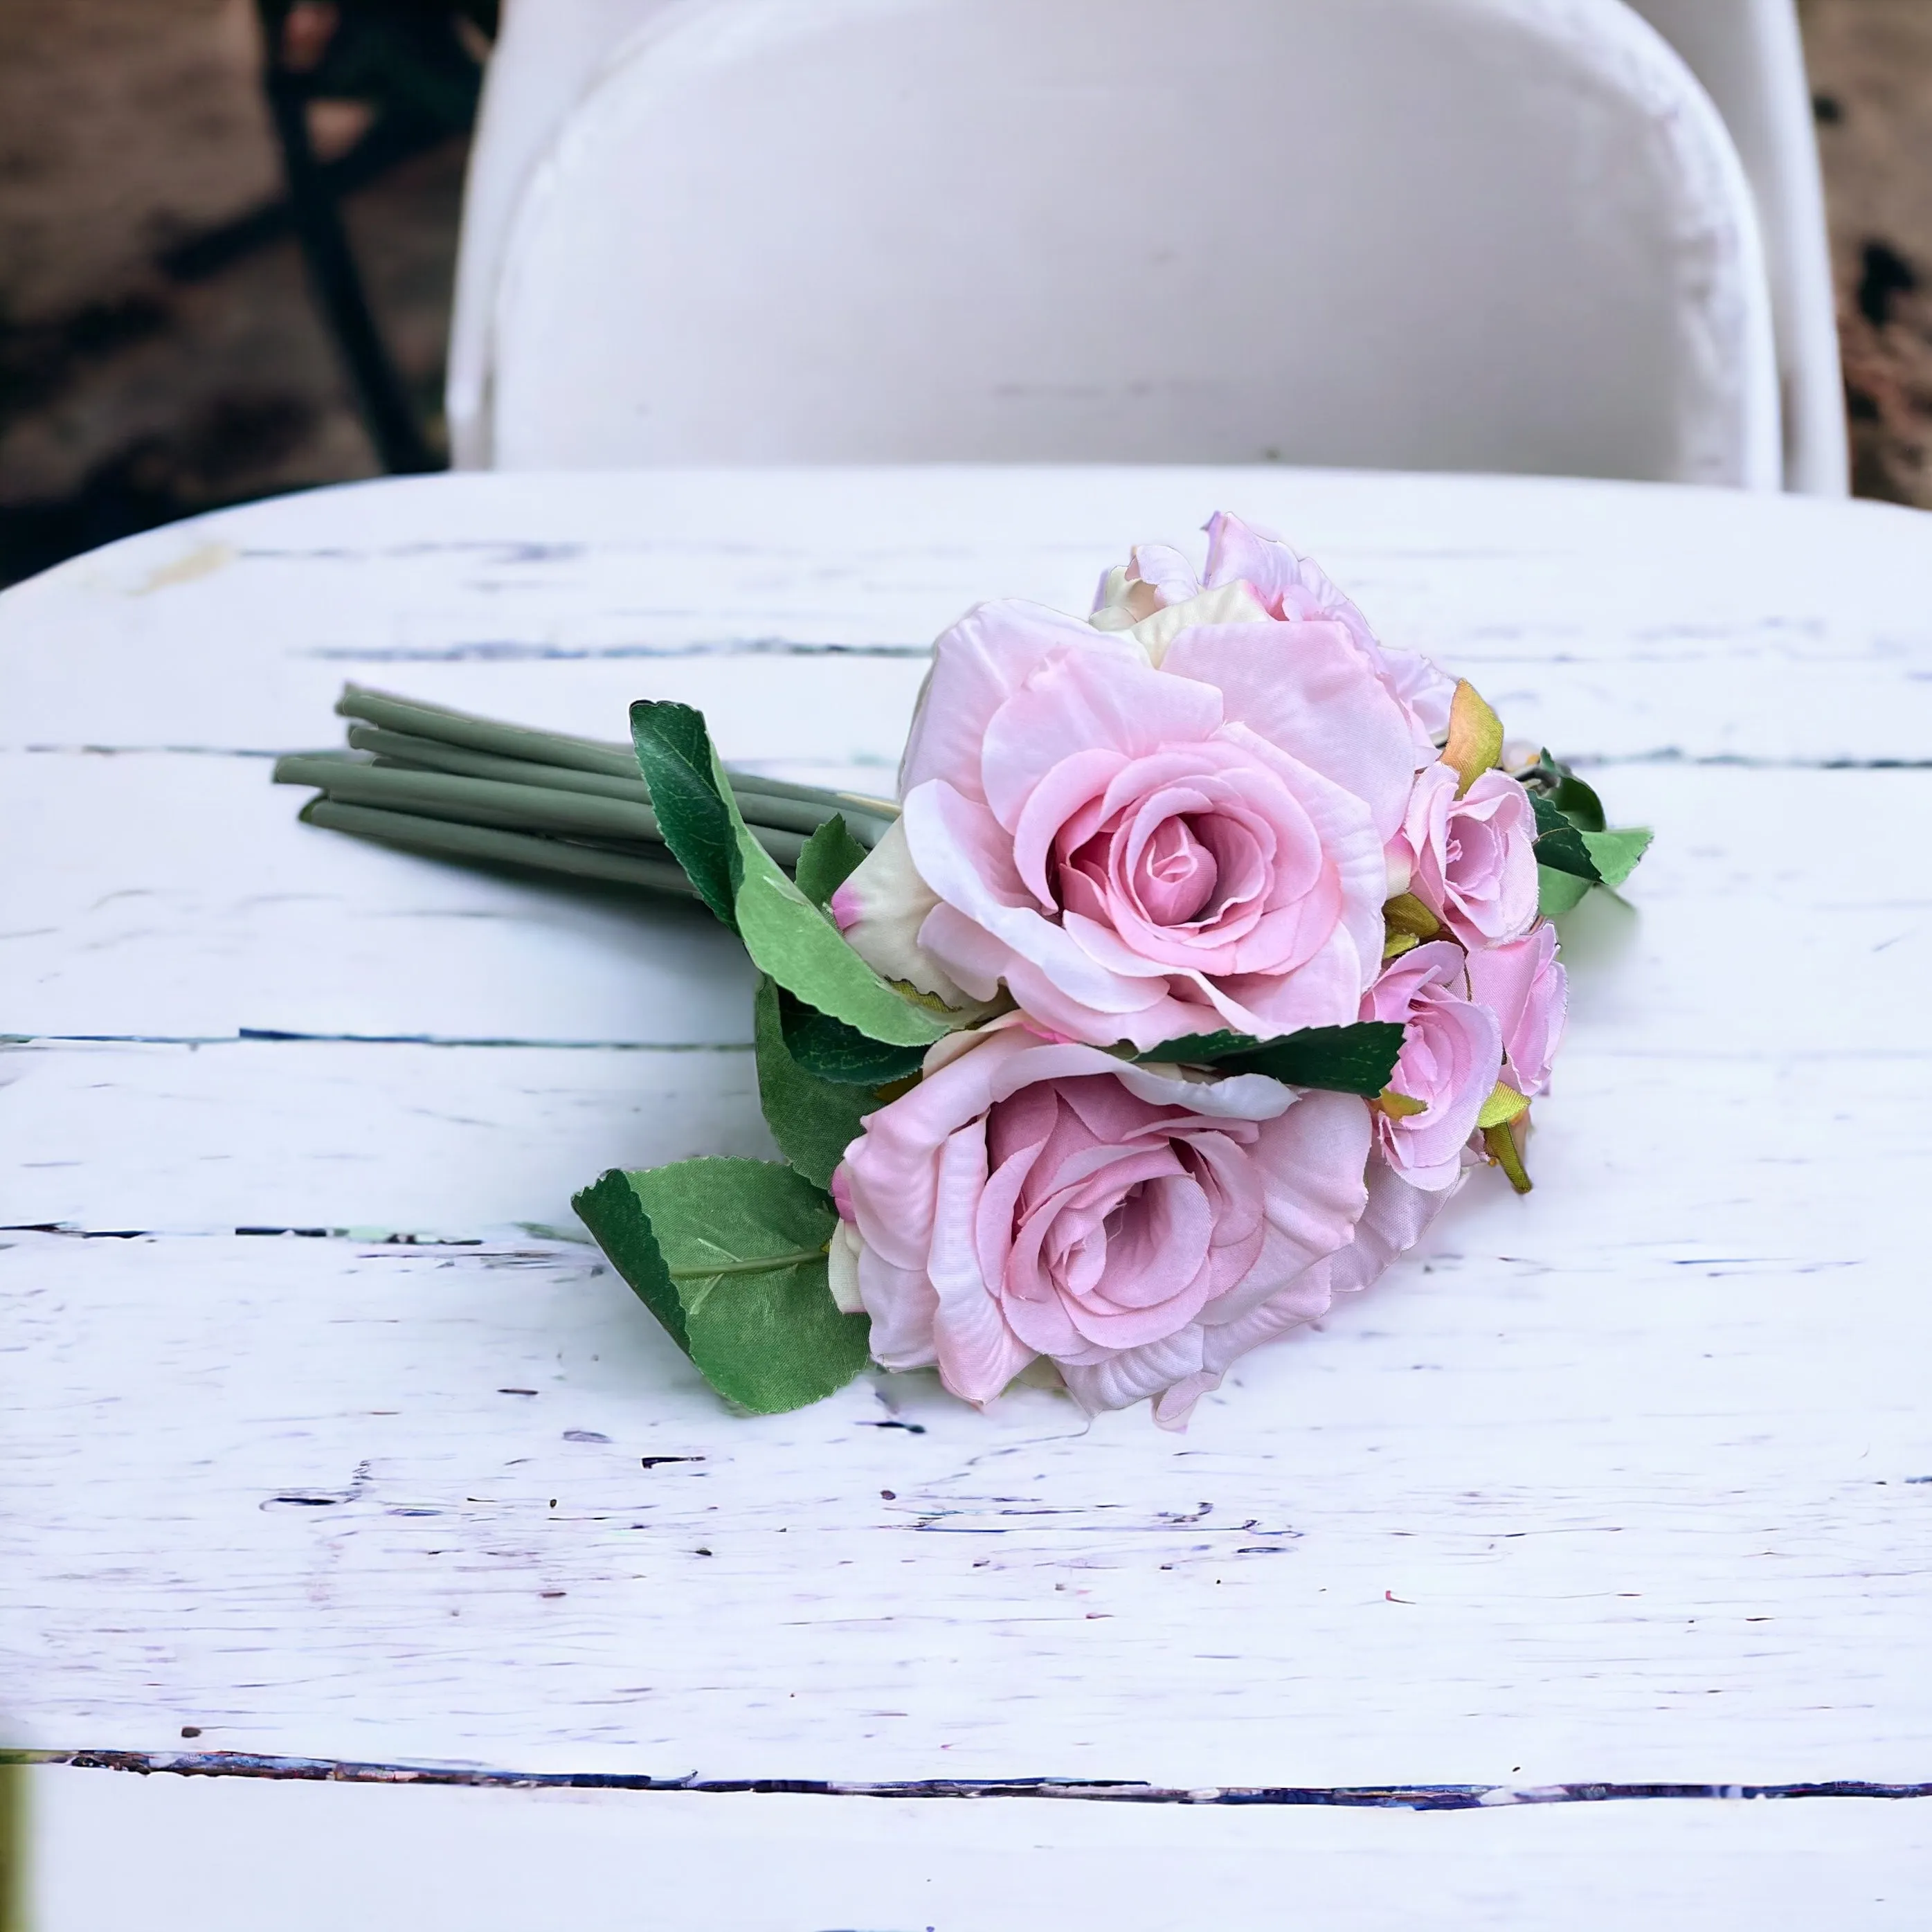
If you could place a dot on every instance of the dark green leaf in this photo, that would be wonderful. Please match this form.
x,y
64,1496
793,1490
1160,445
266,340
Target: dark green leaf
x,y
1577,802
693,815
813,1120
1357,1059
1564,851
831,1050
1556,892
1615,853
609,1207
736,1250
1548,818
1202,1049
830,857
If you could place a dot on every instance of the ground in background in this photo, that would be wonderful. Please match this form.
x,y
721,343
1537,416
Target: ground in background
x,y
130,395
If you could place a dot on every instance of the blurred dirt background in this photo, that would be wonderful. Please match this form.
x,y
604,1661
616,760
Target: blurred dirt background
x,y
138,382
144,375
1871,85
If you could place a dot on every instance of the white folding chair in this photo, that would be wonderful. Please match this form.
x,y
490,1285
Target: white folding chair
x,y
1749,56
1471,234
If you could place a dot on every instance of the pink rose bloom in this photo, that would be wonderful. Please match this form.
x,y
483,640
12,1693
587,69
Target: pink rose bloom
x,y
1289,587
1452,1051
1140,1227
1396,1217
1473,858
1143,833
1523,984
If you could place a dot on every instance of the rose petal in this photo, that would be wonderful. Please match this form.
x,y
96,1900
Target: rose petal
x,y
1306,688
1078,703
879,909
1228,603
1522,982
978,1354
977,666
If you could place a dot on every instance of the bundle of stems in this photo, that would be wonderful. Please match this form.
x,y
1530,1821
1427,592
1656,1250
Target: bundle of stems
x,y
445,782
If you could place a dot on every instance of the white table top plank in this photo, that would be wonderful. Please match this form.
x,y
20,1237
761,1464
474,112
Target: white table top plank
x,y
506,1860
1627,620
380,1138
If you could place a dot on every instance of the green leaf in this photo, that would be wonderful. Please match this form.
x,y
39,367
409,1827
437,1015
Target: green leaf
x,y
814,1121
735,1250
1357,1059
1557,892
786,935
690,798
830,1050
1200,1049
1564,851
1577,802
610,1208
830,857
1548,818
1615,853
790,938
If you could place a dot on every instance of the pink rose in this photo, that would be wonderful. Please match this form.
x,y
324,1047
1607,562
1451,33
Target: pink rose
x,y
1523,984
1396,1217
1474,858
1142,834
1452,1052
1289,587
1139,1227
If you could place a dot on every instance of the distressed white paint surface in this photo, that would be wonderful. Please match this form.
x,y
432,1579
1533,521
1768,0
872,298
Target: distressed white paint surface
x,y
1644,1494
233,1855
1622,618
1619,1482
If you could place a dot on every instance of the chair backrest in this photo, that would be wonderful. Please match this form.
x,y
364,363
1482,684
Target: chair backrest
x,y
1470,234
1750,59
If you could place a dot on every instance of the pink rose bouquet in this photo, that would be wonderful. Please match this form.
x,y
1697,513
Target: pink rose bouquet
x,y
1206,951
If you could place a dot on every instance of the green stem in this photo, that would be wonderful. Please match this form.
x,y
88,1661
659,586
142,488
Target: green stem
x,y
475,801
850,804
426,754
758,807
511,807
803,808
447,839
484,734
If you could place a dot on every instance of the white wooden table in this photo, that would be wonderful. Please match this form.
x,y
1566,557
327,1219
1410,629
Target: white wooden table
x,y
330,1454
